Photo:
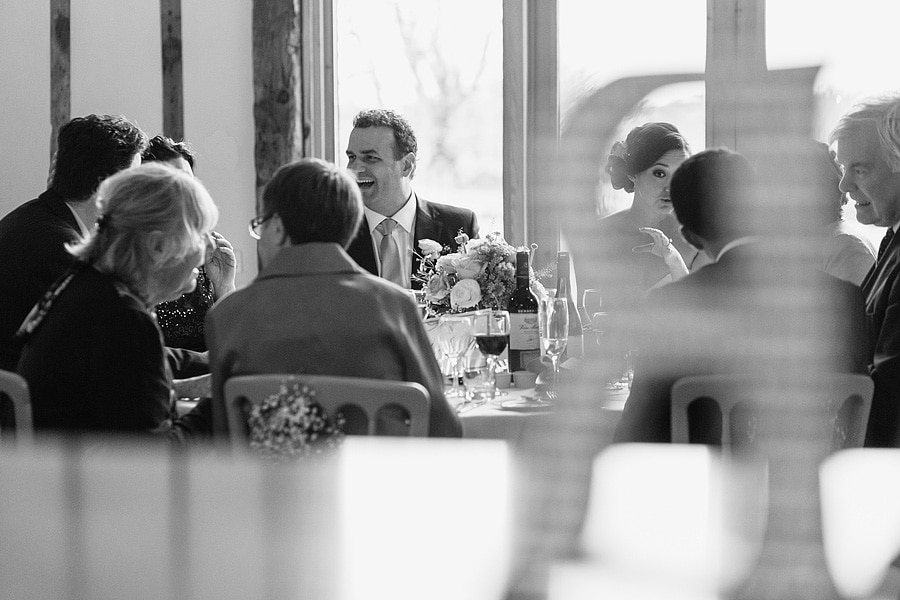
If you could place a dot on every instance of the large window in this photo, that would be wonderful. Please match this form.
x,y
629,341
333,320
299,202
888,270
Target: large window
x,y
439,63
604,41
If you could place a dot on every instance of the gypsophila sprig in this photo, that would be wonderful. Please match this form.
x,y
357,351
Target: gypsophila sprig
x,y
480,274
289,425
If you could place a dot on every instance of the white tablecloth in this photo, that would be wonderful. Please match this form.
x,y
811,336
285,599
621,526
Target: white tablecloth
x,y
492,421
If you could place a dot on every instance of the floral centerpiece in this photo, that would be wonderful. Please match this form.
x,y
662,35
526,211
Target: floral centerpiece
x,y
290,425
481,273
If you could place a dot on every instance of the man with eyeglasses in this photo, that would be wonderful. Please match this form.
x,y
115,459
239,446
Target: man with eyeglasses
x,y
312,309
381,152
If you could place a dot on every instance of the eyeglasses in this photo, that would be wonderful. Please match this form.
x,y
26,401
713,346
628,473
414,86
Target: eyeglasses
x,y
255,224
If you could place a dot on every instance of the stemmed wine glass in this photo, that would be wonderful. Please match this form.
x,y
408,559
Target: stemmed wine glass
x,y
491,337
456,337
553,316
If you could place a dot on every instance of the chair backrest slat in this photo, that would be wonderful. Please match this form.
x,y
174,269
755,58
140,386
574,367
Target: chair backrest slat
x,y
14,387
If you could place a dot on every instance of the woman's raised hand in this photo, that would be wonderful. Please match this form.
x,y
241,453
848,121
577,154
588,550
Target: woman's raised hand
x,y
662,247
220,265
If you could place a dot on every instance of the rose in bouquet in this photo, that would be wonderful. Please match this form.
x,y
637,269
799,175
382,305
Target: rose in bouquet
x,y
481,273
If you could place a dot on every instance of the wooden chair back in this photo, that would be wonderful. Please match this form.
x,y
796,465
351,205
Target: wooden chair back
x,y
14,387
365,404
722,409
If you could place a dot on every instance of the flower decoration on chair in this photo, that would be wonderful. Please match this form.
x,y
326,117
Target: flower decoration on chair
x,y
290,425
480,274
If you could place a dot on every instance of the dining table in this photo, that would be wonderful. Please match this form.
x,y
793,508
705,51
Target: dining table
x,y
504,419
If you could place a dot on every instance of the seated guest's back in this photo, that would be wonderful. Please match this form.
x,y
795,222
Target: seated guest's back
x,y
34,235
93,357
712,321
312,309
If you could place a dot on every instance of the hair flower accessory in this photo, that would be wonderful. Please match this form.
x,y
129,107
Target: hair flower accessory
x,y
619,150
290,425
480,274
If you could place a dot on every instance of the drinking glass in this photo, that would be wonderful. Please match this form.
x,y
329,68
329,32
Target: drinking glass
x,y
553,316
455,338
591,304
492,337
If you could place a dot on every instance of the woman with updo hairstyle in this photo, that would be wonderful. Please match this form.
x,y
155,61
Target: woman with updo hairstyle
x,y
846,253
94,356
631,264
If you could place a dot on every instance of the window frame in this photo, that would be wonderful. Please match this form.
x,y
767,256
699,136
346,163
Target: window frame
x,y
531,105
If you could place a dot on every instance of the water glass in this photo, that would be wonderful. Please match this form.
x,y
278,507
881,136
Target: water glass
x,y
553,316
456,336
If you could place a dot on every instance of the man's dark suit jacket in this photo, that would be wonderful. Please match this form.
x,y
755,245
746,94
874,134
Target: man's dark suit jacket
x,y
32,250
881,288
33,256
438,222
705,324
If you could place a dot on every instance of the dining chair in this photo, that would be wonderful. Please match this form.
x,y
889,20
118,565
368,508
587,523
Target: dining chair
x,y
14,388
365,404
721,409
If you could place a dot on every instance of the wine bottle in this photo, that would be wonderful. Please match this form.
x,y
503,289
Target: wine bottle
x,y
575,346
524,331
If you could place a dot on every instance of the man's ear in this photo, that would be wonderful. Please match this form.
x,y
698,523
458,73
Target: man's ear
x,y
409,165
279,233
692,238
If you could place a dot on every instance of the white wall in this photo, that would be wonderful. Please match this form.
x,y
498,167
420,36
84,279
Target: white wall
x,y
24,100
116,69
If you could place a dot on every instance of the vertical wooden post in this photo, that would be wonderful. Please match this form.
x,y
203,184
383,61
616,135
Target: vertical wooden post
x,y
172,72
277,102
60,71
515,201
542,110
735,51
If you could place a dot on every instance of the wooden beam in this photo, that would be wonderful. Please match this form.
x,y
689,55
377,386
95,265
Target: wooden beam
x,y
735,53
60,69
172,69
515,30
277,103
542,109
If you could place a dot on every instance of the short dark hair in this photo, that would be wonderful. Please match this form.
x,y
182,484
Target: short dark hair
x,y
90,149
711,193
643,146
165,149
316,201
404,136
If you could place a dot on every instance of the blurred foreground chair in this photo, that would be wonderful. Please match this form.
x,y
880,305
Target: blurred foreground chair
x,y
14,389
366,405
860,493
721,409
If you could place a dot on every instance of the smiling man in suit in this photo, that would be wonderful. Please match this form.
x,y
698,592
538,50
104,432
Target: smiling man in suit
x,y
868,150
381,153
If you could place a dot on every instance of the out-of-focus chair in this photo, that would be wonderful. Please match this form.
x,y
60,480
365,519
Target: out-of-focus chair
x,y
860,493
14,387
721,409
365,405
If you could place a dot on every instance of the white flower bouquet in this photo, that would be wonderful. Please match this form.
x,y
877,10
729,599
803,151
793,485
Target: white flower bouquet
x,y
480,274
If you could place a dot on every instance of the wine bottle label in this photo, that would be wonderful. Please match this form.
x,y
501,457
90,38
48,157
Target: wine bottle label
x,y
524,332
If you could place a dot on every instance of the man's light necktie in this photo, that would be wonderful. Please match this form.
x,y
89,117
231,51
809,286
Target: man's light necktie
x,y
389,252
